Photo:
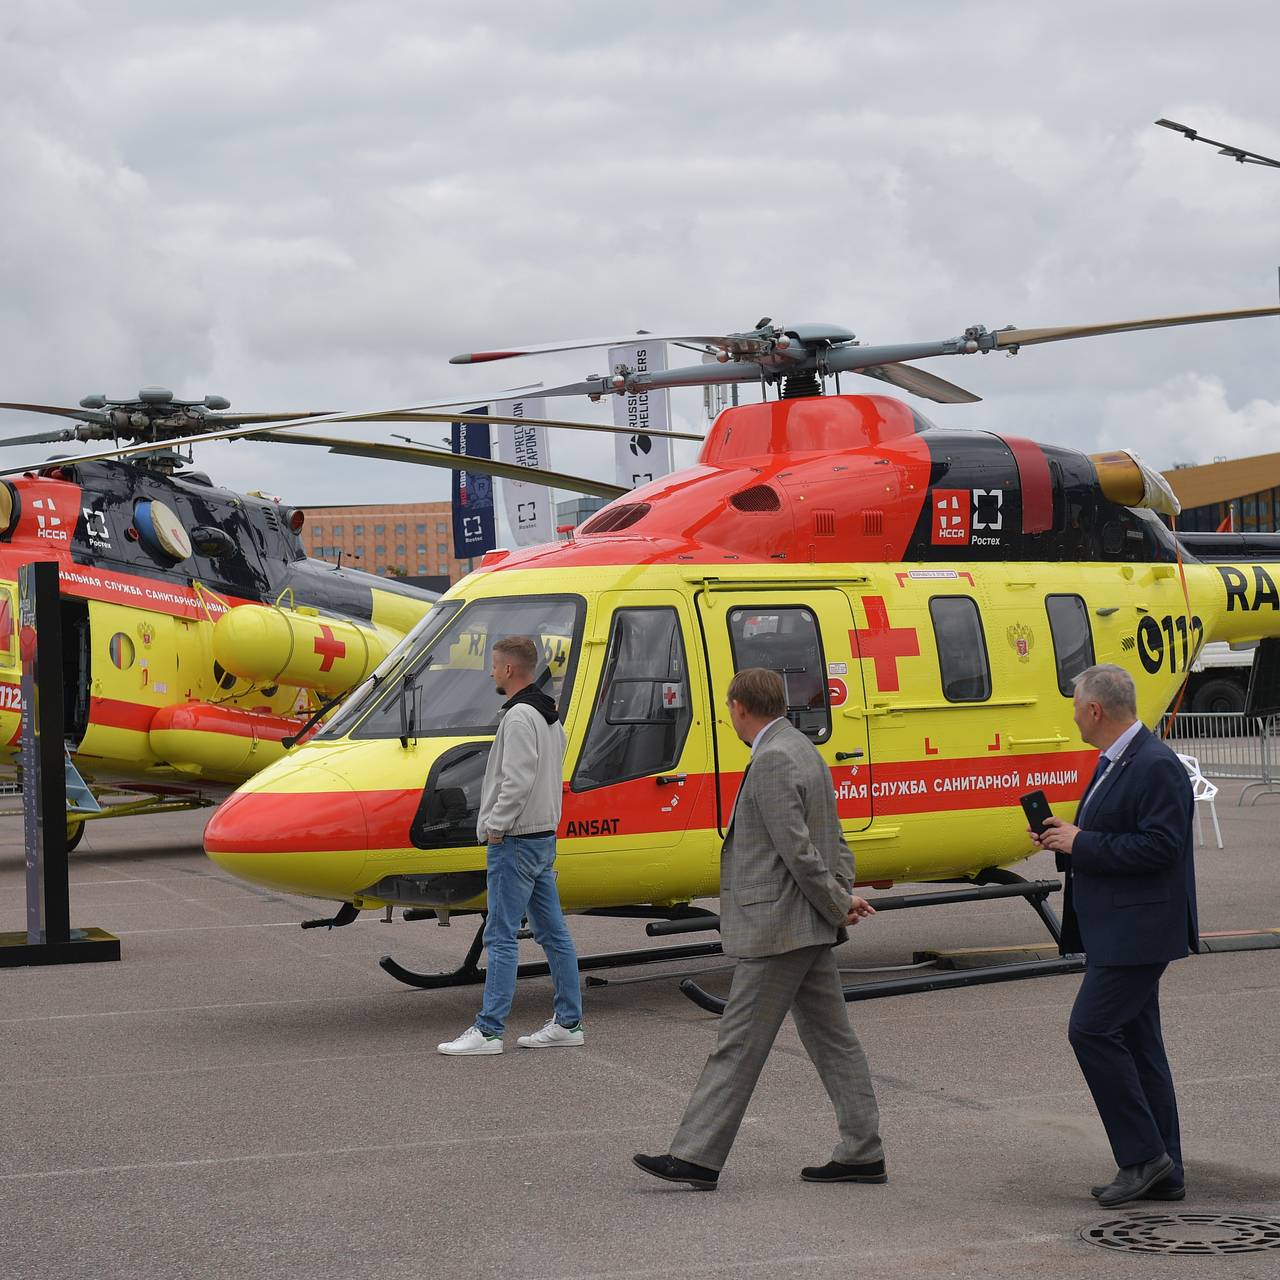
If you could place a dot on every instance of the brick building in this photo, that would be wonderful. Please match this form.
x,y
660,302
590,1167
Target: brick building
x,y
413,539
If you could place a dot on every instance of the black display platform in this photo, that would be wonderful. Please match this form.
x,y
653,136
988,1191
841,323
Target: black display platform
x,y
90,947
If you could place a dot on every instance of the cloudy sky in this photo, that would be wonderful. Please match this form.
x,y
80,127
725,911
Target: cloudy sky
x,y
301,204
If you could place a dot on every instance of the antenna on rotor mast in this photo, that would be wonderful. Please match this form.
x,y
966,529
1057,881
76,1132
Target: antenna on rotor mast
x,y
716,397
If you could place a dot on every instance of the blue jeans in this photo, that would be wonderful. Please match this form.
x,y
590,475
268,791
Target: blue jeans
x,y
521,883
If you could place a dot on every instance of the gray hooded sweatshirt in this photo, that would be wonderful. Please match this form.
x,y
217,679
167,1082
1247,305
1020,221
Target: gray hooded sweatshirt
x,y
523,784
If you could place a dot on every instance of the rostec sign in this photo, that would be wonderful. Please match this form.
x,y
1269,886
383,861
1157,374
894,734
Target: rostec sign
x,y
967,516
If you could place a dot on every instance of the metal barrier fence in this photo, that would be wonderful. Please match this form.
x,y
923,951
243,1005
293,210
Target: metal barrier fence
x,y
1230,744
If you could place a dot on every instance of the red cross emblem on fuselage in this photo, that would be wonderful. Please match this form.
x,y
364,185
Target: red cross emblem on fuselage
x,y
328,648
883,643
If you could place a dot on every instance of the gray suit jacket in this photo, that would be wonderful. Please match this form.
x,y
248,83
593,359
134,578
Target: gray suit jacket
x,y
786,874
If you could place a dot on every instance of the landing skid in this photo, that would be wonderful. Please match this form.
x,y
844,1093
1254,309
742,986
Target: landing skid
x,y
995,882
470,973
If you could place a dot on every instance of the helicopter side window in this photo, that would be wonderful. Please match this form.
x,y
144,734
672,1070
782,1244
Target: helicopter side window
x,y
642,715
8,643
962,649
1072,639
786,640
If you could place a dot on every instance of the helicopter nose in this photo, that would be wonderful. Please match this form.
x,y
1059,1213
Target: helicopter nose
x,y
312,841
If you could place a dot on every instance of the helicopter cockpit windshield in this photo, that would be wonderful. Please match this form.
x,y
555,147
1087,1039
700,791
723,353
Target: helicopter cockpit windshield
x,y
441,671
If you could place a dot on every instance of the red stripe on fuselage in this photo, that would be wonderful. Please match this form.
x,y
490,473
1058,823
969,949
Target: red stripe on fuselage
x,y
1035,482
286,822
111,713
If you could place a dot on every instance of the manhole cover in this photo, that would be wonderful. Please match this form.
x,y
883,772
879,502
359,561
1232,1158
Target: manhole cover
x,y
1186,1233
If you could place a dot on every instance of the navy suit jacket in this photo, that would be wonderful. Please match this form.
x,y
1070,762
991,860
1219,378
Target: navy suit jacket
x,y
1130,893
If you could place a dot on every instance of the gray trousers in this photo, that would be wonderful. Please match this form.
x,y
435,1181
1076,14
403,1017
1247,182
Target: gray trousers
x,y
807,983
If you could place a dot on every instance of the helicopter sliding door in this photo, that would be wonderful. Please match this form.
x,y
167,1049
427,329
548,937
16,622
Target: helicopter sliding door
x,y
641,772
807,636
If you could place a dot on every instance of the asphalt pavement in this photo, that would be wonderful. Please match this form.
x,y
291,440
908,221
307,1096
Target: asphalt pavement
x,y
239,1098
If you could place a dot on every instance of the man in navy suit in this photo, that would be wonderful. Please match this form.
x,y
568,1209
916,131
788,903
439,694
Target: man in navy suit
x,y
1130,905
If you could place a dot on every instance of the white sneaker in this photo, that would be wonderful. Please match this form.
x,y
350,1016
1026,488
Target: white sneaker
x,y
553,1036
471,1041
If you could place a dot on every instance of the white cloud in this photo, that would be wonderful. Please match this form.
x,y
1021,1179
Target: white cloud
x,y
1189,419
312,204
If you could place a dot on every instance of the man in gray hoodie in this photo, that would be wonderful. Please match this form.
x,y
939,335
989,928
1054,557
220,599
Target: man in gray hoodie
x,y
519,813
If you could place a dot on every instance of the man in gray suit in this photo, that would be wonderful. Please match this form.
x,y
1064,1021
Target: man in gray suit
x,y
786,879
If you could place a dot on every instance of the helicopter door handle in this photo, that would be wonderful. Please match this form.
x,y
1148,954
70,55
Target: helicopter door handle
x,y
850,755
666,778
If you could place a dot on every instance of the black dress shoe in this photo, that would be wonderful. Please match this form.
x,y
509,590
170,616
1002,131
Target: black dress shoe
x,y
1165,1190
835,1171
1135,1180
672,1170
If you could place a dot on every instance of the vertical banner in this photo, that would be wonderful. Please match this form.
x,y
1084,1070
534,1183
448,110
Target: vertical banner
x,y
639,457
530,512
473,532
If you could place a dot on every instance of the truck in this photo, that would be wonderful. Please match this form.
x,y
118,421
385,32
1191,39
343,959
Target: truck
x,y
1219,679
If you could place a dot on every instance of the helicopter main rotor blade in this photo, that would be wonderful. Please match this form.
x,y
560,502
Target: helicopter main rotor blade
x,y
586,344
61,411
1029,337
428,457
499,420
41,437
240,433
920,383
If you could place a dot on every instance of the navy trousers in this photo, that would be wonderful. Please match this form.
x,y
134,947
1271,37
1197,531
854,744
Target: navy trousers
x,y
1115,1032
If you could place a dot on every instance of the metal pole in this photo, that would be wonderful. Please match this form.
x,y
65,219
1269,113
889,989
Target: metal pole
x,y
49,937
44,792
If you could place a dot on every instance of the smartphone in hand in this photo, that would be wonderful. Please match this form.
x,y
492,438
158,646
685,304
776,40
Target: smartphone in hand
x,y
1036,806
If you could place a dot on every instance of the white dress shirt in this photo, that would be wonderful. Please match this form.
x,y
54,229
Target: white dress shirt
x,y
756,740
1110,755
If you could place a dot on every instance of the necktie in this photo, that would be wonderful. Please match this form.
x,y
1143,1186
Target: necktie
x,y
1099,772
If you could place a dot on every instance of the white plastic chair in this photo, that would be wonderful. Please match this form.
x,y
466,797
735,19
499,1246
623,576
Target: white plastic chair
x,y
1205,792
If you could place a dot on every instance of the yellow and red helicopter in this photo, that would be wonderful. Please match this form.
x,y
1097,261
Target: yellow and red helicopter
x,y
199,638
927,594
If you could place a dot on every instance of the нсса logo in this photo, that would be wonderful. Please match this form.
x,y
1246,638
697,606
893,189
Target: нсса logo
x,y
48,521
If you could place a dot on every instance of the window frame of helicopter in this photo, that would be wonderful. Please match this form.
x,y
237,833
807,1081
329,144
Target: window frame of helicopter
x,y
438,824
357,701
1066,678
948,655
407,679
817,734
603,717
